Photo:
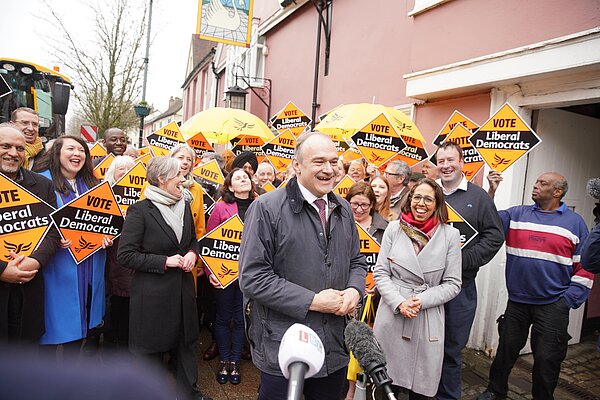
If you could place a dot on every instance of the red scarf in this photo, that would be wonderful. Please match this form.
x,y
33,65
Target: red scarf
x,y
424,226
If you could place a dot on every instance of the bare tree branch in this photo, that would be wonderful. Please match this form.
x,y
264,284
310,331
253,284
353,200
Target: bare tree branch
x,y
106,71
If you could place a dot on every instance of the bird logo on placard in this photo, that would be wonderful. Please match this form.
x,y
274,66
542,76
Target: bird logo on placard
x,y
241,125
280,164
374,158
83,245
499,161
17,248
225,271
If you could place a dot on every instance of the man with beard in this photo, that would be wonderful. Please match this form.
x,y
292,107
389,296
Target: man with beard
x,y
21,286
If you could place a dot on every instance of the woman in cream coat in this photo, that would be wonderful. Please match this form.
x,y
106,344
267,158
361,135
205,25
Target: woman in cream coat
x,y
417,271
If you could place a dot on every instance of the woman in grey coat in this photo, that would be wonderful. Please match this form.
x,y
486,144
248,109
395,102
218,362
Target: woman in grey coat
x,y
417,271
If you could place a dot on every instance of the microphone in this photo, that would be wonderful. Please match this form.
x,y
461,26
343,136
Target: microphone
x,y
301,355
360,340
593,188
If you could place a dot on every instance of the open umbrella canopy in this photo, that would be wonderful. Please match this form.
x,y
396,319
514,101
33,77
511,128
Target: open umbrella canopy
x,y
347,119
219,125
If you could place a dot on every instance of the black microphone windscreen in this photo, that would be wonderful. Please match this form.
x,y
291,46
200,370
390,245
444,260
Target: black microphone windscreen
x,y
360,340
593,188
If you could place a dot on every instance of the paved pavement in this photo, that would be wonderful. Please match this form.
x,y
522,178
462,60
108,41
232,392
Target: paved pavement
x,y
579,378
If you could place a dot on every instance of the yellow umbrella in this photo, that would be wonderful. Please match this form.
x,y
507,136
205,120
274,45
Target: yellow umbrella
x,y
219,125
347,119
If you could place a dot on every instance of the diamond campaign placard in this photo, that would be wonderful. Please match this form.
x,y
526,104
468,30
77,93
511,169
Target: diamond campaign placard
x,y
504,138
370,248
467,232
220,250
378,141
24,219
87,219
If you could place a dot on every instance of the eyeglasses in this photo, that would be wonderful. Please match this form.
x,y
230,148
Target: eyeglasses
x,y
33,124
356,206
385,173
426,199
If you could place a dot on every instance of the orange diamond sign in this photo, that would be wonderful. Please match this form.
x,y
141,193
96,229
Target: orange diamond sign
x,y
220,250
280,150
504,138
378,141
86,220
370,248
24,219
473,160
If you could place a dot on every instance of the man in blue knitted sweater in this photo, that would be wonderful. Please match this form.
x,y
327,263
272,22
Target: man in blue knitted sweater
x,y
544,280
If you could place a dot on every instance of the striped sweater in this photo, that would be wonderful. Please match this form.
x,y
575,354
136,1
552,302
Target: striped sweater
x,y
542,255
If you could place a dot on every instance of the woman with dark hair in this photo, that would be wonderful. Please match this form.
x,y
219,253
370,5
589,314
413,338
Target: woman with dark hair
x,y
237,193
159,243
362,200
417,271
74,293
381,188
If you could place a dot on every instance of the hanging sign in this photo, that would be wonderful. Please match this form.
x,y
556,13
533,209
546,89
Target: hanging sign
x,y
86,220
370,248
378,141
248,143
24,219
227,22
97,151
220,250
163,140
455,119
280,150
504,138
200,145
128,189
102,167
292,118
466,230
473,161
210,171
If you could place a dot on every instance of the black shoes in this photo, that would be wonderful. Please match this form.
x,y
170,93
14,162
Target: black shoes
x,y
234,373
489,395
223,373
229,372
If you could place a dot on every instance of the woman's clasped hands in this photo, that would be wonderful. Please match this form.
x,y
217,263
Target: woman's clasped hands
x,y
410,308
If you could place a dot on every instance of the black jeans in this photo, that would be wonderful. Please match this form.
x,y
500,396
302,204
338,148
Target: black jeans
x,y
549,339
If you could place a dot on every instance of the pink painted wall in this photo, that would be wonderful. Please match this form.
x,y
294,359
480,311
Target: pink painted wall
x,y
373,46
364,64
463,29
